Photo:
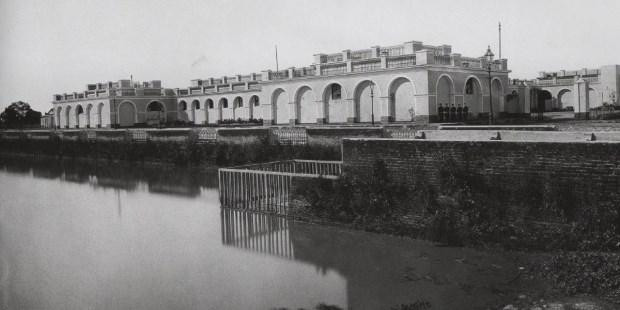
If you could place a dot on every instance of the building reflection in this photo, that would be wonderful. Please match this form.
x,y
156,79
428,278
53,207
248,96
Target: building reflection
x,y
124,176
380,271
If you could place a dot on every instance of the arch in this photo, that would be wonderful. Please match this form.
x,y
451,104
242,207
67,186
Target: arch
x,y
237,103
444,91
127,114
58,113
334,106
155,113
280,106
497,94
545,100
210,116
68,117
79,114
195,106
99,115
182,111
364,105
565,100
254,102
401,99
472,95
89,108
223,111
306,109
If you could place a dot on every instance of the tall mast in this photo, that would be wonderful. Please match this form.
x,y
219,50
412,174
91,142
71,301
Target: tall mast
x,y
277,69
500,40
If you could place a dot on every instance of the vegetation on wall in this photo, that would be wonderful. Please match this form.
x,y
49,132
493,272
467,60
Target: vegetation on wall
x,y
188,153
469,209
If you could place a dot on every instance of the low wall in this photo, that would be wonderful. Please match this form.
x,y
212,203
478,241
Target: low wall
x,y
333,136
242,135
595,164
499,127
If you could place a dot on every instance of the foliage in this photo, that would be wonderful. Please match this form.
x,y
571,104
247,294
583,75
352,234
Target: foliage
x,y
187,153
595,273
467,208
356,199
19,115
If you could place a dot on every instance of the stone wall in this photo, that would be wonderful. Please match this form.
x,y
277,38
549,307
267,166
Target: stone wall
x,y
333,136
504,163
242,135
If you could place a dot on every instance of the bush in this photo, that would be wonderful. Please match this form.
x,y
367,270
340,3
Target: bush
x,y
593,273
187,153
470,209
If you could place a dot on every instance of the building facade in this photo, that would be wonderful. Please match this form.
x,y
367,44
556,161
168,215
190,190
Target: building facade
x,y
577,90
402,83
116,104
409,82
47,120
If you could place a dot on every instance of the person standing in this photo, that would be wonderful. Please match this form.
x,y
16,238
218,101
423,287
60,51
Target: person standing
x,y
453,113
440,112
465,112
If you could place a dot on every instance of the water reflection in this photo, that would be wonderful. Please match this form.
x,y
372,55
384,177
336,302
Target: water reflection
x,y
257,232
155,178
381,271
63,245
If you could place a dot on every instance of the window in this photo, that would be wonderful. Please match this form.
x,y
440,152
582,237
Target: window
x,y
239,103
197,105
210,103
336,92
225,104
256,103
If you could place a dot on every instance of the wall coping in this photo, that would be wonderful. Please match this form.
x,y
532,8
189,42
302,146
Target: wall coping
x,y
480,140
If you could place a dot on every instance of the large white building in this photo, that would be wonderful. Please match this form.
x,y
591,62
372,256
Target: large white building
x,y
402,83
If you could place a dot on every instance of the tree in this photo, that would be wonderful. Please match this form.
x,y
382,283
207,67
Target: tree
x,y
19,115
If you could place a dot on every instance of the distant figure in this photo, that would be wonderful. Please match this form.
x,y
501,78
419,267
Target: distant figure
x,y
446,113
465,112
453,113
459,113
440,112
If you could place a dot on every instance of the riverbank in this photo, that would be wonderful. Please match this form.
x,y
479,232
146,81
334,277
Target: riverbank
x,y
563,238
527,276
185,154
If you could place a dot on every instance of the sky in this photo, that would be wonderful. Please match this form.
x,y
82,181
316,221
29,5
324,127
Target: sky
x,y
49,47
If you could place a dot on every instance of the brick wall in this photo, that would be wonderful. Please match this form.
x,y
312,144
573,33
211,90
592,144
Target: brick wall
x,y
502,162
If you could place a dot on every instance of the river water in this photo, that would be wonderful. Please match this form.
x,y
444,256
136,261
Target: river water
x,y
84,236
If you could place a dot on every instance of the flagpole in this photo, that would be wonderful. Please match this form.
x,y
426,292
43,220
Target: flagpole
x,y
500,40
277,69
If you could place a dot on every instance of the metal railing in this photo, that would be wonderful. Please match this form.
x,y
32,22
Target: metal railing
x,y
303,166
267,187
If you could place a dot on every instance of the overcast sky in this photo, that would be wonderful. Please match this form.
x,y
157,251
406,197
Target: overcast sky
x,y
49,47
